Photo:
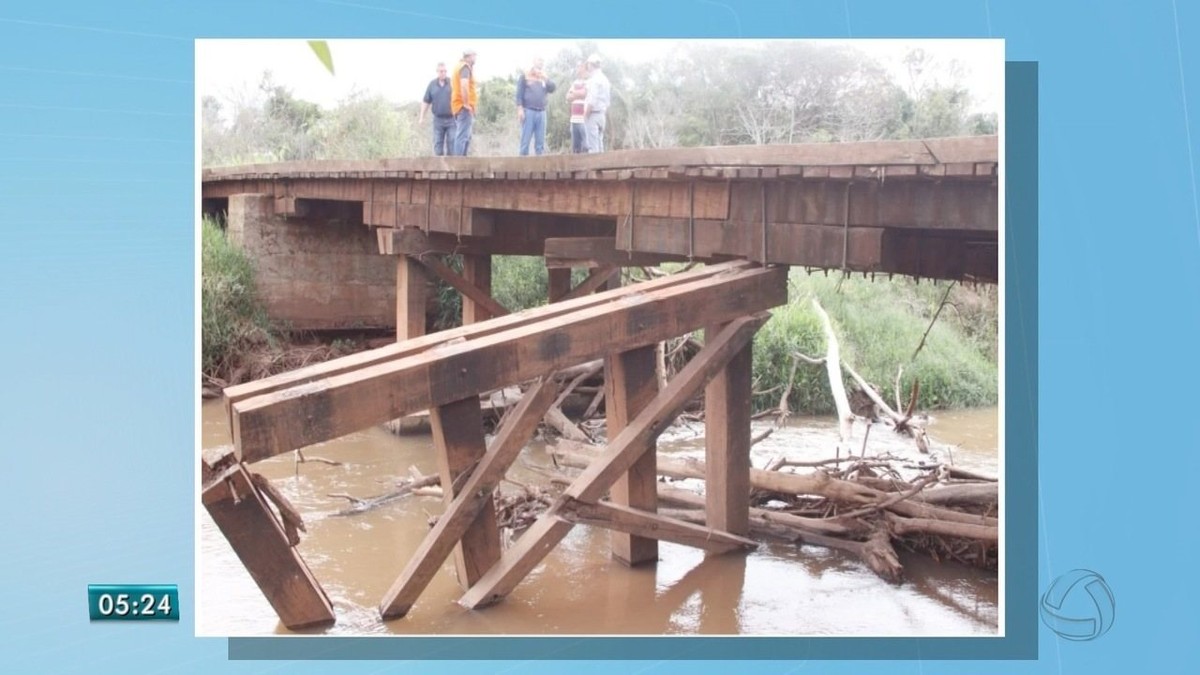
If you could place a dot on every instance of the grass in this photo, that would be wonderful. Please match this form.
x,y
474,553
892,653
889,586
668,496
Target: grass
x,y
879,325
233,322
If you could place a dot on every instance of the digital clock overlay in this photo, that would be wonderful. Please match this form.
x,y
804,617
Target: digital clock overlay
x,y
133,602
97,289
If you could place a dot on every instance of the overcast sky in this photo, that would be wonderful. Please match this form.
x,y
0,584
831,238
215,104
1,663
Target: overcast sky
x,y
400,69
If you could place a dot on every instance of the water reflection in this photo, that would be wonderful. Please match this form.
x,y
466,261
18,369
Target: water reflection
x,y
778,589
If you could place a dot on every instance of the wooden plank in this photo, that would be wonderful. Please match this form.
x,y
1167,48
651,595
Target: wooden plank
x,y
598,251
630,383
968,149
283,420
621,453
254,533
410,299
727,444
470,332
476,300
595,279
458,441
650,527
476,307
558,283
513,435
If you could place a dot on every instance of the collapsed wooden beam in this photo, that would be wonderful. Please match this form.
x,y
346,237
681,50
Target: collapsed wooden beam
x,y
283,420
258,539
621,454
470,500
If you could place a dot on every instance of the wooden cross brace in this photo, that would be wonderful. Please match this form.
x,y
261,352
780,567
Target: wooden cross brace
x,y
622,453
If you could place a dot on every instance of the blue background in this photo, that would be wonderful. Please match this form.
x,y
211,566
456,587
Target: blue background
x,y
97,262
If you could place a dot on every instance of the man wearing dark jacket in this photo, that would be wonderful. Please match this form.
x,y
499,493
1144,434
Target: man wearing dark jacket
x,y
533,89
437,97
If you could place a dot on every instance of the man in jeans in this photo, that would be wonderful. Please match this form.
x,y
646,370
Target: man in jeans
x,y
533,90
595,105
437,96
575,97
462,101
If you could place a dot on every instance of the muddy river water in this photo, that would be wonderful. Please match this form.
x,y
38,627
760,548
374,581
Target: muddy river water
x,y
780,589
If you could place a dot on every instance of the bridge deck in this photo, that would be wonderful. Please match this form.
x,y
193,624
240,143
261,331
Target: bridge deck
x,y
925,208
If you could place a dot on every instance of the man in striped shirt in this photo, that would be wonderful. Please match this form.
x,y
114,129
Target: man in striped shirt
x,y
575,98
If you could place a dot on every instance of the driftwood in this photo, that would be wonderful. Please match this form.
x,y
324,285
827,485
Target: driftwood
x,y
862,516
405,489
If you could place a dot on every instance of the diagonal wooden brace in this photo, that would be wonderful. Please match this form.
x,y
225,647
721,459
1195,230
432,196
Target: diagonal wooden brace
x,y
462,285
518,426
621,454
652,526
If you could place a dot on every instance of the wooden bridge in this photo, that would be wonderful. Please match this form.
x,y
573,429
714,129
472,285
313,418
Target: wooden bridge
x,y
922,208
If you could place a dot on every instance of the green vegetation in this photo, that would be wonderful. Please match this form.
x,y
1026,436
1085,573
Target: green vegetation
x,y
232,321
879,325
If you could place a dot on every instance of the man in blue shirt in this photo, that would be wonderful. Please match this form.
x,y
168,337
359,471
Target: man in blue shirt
x,y
533,90
437,96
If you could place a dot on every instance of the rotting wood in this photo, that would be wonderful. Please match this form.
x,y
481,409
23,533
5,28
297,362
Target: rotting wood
x,y
258,539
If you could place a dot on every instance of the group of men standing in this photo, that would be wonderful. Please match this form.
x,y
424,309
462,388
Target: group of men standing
x,y
452,99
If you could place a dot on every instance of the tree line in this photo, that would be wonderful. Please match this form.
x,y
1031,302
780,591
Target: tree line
x,y
735,94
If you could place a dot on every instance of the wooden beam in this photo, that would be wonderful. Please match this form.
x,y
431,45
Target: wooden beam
x,y
619,456
559,283
410,299
254,533
630,384
474,296
458,441
477,271
283,420
651,527
513,435
595,279
394,352
727,444
599,251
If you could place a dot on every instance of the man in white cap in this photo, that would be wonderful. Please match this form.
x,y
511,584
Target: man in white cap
x,y
595,106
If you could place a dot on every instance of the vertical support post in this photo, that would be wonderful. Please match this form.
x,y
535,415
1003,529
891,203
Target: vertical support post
x,y
613,283
477,269
559,283
260,543
727,443
410,299
630,384
458,439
